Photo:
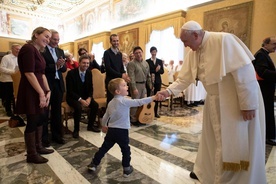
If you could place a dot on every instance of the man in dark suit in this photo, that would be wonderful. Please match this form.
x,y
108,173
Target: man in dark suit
x,y
113,64
266,76
55,66
156,69
79,94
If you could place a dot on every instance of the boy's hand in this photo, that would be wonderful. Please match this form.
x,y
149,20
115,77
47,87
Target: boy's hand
x,y
164,93
104,129
159,97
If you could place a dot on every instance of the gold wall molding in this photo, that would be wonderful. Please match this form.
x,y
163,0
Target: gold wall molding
x,y
100,37
174,19
68,47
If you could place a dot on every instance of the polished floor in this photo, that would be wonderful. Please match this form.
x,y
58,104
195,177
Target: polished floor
x,y
162,152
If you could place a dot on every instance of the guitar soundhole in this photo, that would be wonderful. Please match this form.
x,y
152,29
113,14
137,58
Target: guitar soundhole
x,y
146,113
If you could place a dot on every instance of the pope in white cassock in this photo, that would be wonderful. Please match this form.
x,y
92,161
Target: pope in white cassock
x,y
232,146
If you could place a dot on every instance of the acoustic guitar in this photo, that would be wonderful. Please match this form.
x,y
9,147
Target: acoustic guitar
x,y
145,113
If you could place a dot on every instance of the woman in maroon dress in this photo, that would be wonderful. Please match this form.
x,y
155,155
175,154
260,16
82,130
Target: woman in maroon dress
x,y
33,93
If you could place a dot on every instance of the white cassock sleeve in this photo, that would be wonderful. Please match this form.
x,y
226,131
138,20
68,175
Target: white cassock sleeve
x,y
247,87
178,86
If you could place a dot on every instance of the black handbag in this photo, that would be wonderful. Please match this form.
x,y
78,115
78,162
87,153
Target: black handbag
x,y
16,121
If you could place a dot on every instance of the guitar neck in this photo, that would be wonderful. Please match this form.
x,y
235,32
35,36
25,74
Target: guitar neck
x,y
152,82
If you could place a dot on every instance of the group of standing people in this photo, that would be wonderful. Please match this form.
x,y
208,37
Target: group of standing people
x,y
232,146
41,86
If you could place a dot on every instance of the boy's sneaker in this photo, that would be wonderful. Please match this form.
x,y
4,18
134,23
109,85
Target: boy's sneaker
x,y
92,167
128,171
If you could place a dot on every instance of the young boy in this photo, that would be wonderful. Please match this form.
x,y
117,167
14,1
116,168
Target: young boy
x,y
116,123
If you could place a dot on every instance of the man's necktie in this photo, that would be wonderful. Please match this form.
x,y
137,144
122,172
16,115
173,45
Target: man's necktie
x,y
53,52
54,55
82,77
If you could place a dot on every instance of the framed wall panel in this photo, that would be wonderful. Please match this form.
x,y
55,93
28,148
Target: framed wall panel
x,y
234,19
128,40
84,44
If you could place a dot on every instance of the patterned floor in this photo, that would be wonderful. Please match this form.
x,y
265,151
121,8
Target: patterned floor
x,y
162,152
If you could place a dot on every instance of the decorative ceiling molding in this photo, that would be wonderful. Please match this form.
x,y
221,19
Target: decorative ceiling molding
x,y
78,18
60,9
86,6
42,8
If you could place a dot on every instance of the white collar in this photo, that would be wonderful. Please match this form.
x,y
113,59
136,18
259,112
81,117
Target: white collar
x,y
81,71
49,47
114,50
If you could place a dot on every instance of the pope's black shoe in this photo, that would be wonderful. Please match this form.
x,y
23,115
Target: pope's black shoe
x,y
270,142
193,175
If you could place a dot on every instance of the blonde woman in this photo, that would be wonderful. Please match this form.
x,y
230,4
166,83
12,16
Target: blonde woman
x,y
34,93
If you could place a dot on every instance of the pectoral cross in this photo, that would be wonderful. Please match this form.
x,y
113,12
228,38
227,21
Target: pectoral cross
x,y
197,79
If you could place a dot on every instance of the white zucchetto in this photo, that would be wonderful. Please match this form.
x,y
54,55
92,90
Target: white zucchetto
x,y
191,25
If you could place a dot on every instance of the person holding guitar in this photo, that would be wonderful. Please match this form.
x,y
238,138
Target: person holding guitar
x,y
156,69
139,73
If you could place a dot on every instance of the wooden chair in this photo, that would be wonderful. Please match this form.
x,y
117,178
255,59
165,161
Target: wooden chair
x,y
164,85
172,100
165,78
177,99
16,80
99,91
67,110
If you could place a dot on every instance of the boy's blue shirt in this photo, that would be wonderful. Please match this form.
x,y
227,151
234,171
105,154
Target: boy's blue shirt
x,y
117,112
